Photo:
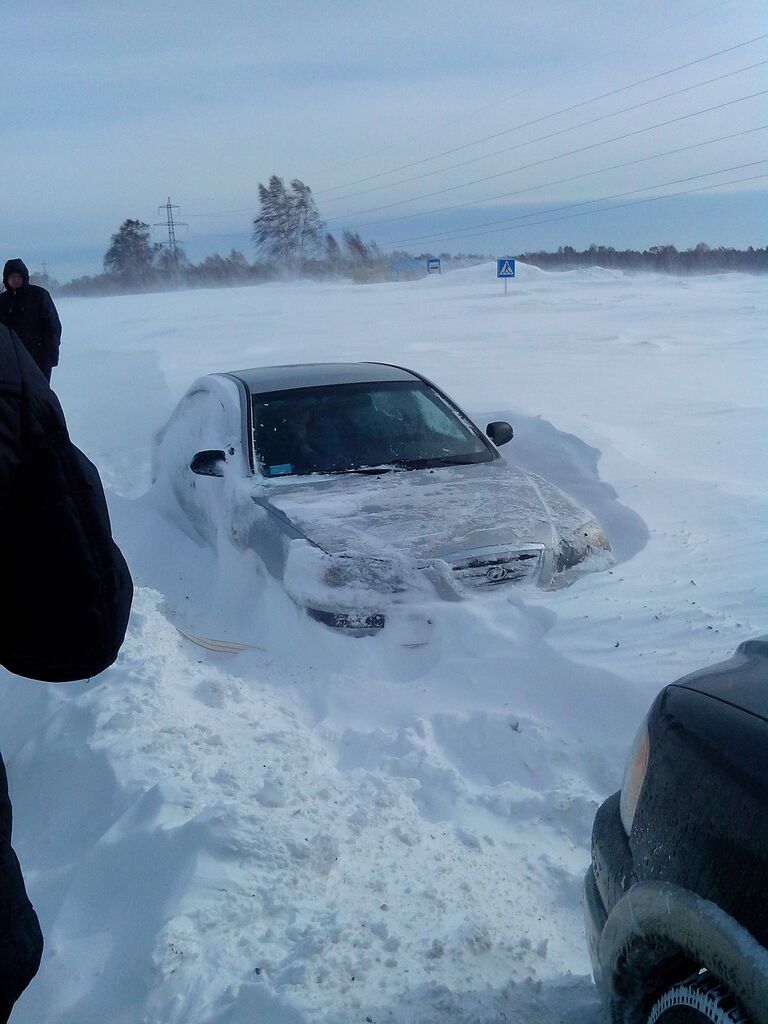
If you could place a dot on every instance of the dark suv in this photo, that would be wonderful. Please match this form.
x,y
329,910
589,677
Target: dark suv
x,y
676,898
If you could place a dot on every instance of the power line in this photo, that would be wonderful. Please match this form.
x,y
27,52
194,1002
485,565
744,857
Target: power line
x,y
222,213
545,117
562,181
539,163
480,228
542,138
226,213
478,232
513,170
605,209
536,85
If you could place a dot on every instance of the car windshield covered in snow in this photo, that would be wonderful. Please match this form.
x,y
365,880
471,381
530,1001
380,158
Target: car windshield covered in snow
x,y
354,427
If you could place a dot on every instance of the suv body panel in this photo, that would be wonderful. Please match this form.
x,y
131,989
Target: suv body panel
x,y
698,844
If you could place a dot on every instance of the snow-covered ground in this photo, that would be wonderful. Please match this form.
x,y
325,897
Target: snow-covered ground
x,y
335,830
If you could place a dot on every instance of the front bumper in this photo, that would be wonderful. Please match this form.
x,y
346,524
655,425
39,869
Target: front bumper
x,y
595,916
407,625
608,878
354,623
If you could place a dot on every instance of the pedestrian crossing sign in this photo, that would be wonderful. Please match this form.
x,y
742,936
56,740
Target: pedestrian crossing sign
x,y
505,267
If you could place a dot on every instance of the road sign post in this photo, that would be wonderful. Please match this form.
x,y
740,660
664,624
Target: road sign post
x,y
505,269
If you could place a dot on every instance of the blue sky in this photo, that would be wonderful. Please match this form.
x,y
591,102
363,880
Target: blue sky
x,y
111,108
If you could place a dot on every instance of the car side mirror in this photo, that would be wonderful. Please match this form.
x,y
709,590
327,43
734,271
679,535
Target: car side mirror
x,y
499,432
209,463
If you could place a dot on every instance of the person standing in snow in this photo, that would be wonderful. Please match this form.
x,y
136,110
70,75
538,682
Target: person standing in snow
x,y
28,310
64,601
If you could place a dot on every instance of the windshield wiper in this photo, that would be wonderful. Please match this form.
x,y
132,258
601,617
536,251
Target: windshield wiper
x,y
409,464
446,460
374,470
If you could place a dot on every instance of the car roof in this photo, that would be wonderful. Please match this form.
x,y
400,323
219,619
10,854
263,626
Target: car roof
x,y
262,379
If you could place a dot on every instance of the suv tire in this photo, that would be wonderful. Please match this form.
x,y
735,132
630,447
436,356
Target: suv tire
x,y
697,1000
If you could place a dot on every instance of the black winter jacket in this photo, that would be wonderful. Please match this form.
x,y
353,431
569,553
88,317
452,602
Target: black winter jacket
x,y
30,312
21,941
57,555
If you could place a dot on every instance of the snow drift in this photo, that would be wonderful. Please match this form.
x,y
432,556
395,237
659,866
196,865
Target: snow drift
x,y
333,830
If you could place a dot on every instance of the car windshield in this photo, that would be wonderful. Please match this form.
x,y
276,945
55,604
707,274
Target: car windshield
x,y
361,427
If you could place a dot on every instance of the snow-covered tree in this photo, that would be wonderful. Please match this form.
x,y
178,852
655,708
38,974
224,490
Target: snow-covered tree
x,y
131,255
358,251
332,254
289,228
309,226
172,262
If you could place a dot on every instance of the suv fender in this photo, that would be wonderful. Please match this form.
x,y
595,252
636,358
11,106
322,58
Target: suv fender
x,y
658,933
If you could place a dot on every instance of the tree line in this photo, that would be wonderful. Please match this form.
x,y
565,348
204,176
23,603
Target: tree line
x,y
665,259
290,240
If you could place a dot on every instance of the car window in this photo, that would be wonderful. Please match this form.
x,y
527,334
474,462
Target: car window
x,y
438,420
345,428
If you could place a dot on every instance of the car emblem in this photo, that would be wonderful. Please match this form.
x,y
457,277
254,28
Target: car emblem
x,y
496,574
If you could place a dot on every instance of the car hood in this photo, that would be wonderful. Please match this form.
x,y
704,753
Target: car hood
x,y
426,514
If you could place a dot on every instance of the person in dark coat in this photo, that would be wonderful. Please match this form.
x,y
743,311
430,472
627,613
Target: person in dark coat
x,y
57,552
28,310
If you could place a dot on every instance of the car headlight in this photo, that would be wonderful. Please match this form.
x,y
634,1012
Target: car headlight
x,y
634,776
577,544
369,573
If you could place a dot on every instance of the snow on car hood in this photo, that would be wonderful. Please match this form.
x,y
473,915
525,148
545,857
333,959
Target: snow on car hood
x,y
423,514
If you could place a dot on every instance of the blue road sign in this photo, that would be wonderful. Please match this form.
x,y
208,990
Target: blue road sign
x,y
505,268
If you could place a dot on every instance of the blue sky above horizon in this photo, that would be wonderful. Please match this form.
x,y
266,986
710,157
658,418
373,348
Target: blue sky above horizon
x,y
112,108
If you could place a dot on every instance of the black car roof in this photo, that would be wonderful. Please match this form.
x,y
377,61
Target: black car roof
x,y
261,379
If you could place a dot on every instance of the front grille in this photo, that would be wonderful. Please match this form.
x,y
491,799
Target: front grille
x,y
490,567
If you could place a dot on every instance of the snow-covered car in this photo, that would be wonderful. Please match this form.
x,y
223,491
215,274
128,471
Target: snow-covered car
x,y
362,487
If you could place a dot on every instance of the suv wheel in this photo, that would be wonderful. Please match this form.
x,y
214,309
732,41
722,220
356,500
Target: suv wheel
x,y
697,1000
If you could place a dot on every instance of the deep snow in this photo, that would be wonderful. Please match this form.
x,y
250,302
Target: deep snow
x,y
323,829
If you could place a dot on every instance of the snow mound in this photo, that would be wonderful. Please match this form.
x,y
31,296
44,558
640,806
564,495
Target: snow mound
x,y
481,273
278,850
320,829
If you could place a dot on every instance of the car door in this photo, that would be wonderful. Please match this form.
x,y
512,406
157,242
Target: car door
x,y
200,422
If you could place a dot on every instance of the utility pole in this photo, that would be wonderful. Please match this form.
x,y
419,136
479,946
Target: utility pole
x,y
170,224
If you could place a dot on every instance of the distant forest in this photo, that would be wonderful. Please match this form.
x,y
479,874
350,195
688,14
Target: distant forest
x,y
662,259
291,241
364,262
158,270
